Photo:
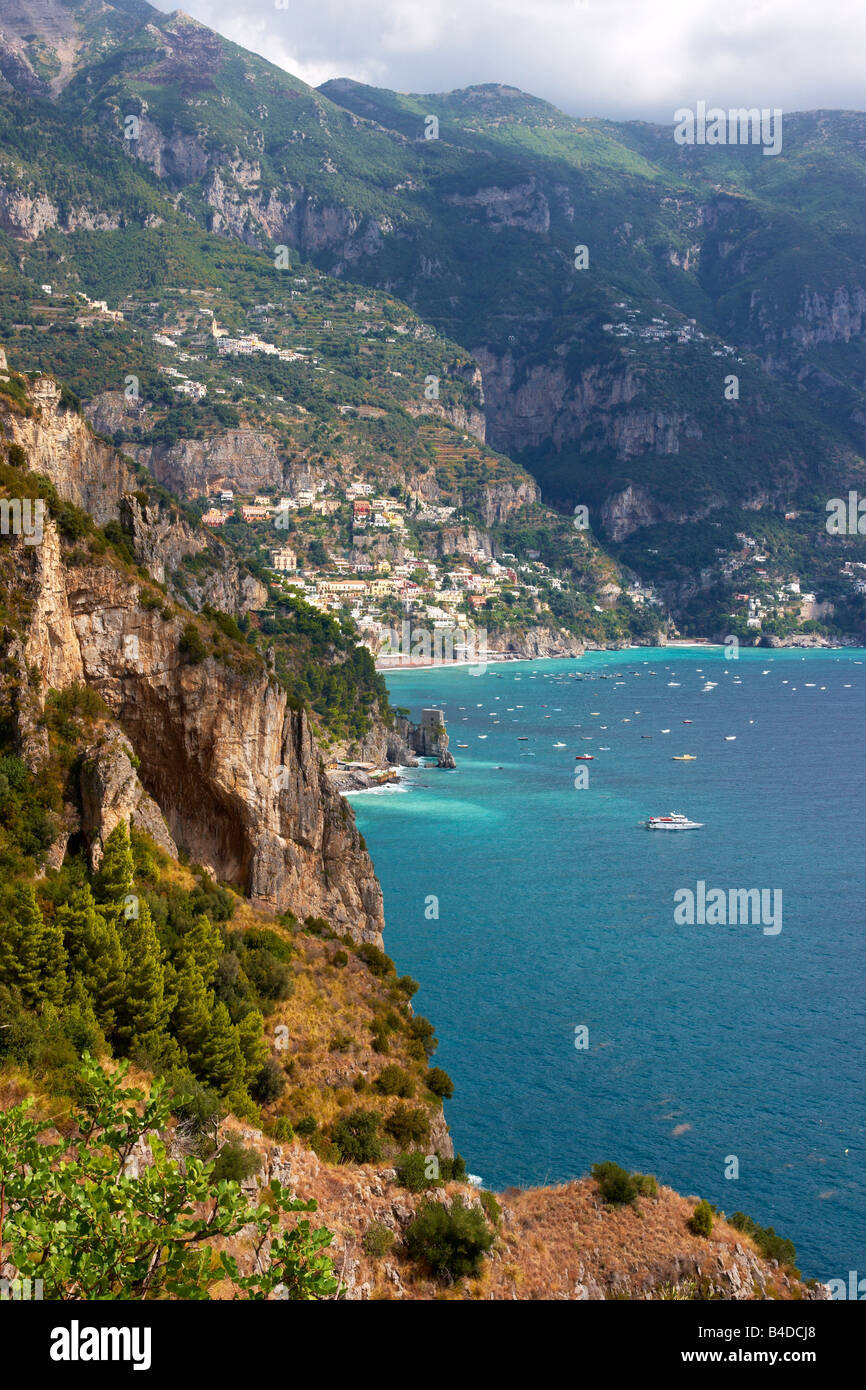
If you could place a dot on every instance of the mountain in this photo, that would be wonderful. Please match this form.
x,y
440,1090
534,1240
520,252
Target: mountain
x,y
612,385
185,893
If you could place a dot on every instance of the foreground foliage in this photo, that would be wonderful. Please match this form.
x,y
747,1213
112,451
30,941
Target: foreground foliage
x,y
74,1214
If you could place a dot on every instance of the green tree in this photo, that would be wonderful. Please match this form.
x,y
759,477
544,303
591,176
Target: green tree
x,y
202,944
115,879
95,954
451,1241
145,1007
77,1217
32,957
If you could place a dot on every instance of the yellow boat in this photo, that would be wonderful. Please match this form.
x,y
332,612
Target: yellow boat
x,y
685,758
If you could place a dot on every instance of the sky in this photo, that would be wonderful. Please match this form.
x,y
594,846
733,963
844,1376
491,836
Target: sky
x,y
625,59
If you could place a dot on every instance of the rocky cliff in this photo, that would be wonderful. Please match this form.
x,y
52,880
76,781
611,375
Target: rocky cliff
x,y
200,746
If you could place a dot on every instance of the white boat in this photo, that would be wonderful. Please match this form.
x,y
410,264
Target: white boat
x,y
675,821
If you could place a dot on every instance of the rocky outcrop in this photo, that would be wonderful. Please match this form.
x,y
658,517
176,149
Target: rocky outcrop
x,y
534,643
243,460
163,540
59,443
234,772
111,792
429,739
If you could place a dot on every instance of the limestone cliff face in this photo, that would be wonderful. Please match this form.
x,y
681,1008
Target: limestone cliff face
x,y
245,460
59,443
233,771
85,470
162,540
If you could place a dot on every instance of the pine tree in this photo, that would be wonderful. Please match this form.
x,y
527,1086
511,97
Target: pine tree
x,y
116,877
203,945
96,955
250,1032
206,1033
191,1016
145,1006
220,1060
31,950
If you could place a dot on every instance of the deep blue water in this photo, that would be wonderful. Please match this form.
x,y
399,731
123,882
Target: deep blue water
x,y
556,910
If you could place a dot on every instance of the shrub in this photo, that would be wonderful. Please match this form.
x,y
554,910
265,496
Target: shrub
x,y
492,1209
191,645
340,958
452,1241
282,1131
377,1240
701,1220
340,1042
616,1186
423,1042
235,1163
270,1082
439,1082
395,1081
376,961
306,1125
411,1170
408,1126
356,1136
407,986
771,1246
646,1184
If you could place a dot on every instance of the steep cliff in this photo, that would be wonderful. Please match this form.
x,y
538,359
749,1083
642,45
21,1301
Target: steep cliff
x,y
222,759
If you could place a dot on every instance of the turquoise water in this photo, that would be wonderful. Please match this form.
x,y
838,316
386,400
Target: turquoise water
x,y
555,910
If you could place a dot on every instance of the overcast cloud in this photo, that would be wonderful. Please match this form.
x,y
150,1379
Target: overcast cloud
x,y
620,58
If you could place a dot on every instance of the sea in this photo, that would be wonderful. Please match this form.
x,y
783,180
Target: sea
x,y
581,1014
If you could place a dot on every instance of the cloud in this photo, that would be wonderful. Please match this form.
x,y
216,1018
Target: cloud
x,y
626,59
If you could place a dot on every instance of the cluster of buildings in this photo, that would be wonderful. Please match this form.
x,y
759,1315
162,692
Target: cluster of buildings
x,y
659,329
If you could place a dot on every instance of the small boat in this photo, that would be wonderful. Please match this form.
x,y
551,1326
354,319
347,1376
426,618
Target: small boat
x,y
463,745
559,745
683,757
482,735
523,738
687,721
664,731
729,738
675,821
583,757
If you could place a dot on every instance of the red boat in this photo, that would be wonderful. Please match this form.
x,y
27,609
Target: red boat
x,y
584,757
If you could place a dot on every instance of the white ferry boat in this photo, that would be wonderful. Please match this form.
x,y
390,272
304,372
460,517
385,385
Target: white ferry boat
x,y
674,821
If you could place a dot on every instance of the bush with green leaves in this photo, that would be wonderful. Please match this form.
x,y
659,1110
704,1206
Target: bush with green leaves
x,y
439,1082
235,1163
77,1217
356,1135
395,1081
617,1187
701,1219
407,1125
771,1246
451,1241
377,1240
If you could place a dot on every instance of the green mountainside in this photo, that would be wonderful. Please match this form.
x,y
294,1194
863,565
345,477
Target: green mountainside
x,y
148,135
